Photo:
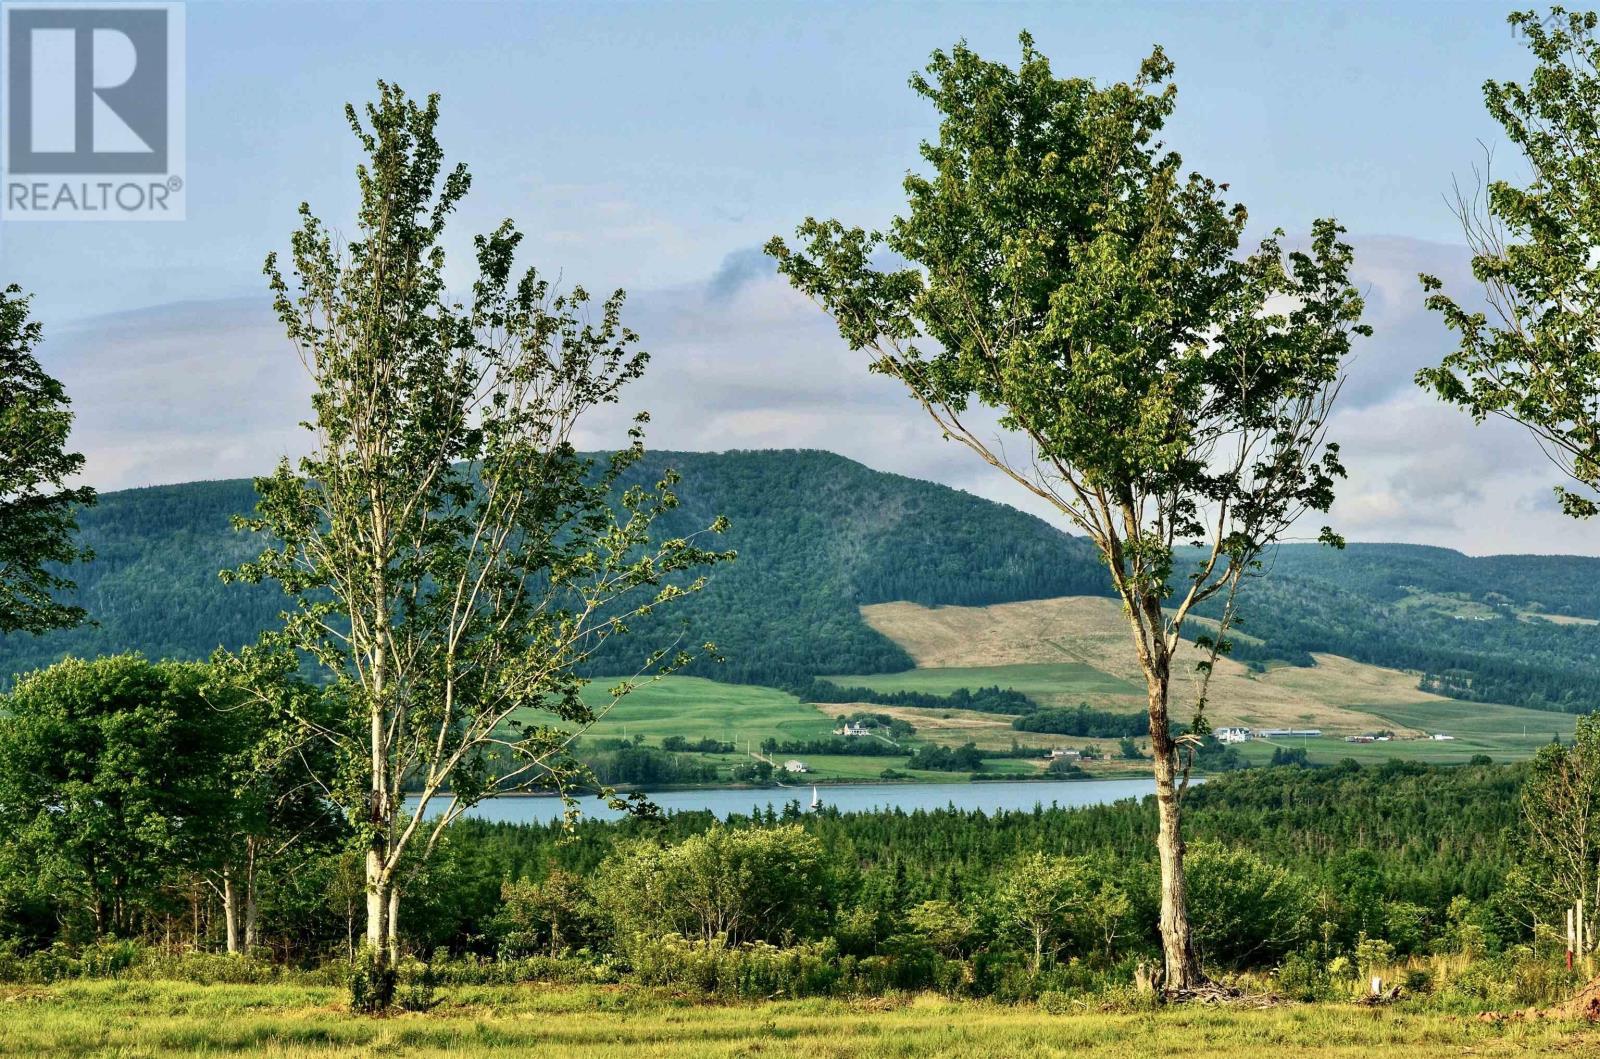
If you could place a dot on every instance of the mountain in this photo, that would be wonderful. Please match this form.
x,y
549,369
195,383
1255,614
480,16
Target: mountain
x,y
820,536
817,535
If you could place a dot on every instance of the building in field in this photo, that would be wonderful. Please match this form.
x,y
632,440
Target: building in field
x,y
1439,737
1288,733
852,728
1058,754
1232,735
795,766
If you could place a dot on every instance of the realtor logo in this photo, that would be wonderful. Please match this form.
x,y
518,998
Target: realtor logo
x,y
93,112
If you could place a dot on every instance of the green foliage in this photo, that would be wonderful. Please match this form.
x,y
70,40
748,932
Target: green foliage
x,y
737,885
116,777
964,758
1083,720
817,535
372,983
37,508
1247,912
1537,361
984,700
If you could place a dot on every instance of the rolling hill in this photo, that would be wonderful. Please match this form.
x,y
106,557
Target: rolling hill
x,y
817,535
825,542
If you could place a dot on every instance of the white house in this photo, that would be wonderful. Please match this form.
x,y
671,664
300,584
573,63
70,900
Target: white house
x,y
795,766
1233,735
852,728
1439,737
1058,754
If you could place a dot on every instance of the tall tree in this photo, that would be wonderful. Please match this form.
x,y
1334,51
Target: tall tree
x,y
1560,826
1167,390
37,526
1533,355
452,559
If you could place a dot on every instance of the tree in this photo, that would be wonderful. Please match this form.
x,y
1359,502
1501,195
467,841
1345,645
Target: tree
x,y
453,561
109,785
1560,825
739,885
37,523
274,804
1534,356
1039,896
1066,275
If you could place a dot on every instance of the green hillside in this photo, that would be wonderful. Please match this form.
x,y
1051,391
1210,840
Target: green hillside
x,y
1518,629
817,535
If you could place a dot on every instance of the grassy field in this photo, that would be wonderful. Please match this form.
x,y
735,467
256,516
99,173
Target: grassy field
x,y
1063,651
1043,682
696,708
140,1020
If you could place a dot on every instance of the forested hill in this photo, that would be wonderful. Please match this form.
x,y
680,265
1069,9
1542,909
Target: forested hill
x,y
817,536
1516,629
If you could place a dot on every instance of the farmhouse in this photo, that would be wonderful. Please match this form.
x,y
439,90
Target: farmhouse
x,y
1233,735
795,766
852,728
1058,754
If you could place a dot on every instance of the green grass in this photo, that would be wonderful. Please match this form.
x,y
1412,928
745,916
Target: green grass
x,y
1505,733
697,708
142,1020
1046,682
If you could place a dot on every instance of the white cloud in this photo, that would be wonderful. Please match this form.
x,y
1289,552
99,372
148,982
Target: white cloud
x,y
206,390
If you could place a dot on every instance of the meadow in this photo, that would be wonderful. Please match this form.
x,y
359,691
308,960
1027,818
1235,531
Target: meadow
x,y
134,1020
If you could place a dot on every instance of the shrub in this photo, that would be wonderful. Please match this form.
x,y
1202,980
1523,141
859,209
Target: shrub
x,y
372,984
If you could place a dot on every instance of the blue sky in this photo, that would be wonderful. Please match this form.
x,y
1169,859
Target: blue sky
x,y
653,146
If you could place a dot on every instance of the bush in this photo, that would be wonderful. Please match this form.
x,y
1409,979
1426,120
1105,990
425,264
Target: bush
x,y
372,983
744,972
416,983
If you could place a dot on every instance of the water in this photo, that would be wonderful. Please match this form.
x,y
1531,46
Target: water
x,y
990,797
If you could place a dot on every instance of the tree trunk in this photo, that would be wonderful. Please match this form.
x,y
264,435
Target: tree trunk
x,y
251,908
230,908
393,937
378,888
1177,944
1038,948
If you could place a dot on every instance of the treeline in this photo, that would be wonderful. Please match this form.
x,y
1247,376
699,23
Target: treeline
x,y
1082,720
992,699
853,746
1289,867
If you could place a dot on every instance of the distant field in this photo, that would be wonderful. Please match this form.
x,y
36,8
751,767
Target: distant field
x,y
1063,651
694,707
1064,683
141,1020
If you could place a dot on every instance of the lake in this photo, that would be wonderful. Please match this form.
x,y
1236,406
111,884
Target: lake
x,y
990,797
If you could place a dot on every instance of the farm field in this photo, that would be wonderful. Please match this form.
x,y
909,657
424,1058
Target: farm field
x,y
136,1020
695,708
1073,649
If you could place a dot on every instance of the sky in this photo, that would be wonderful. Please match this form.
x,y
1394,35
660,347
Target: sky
x,y
655,147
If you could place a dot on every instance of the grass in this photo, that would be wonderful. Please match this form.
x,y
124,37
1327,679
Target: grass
x,y
1504,733
136,1020
697,708
1043,682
